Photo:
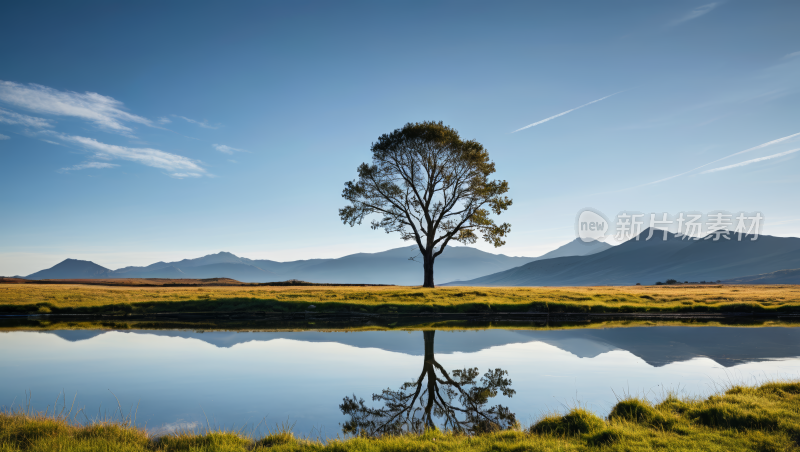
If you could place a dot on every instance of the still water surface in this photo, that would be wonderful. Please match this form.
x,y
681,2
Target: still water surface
x,y
180,378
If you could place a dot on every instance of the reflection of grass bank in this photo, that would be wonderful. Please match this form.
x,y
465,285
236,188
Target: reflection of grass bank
x,y
82,299
380,324
764,418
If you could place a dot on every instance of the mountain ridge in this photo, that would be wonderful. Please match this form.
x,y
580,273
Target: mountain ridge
x,y
393,266
79,268
789,276
648,261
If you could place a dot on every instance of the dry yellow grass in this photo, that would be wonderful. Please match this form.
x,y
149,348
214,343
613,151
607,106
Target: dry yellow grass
x,y
19,298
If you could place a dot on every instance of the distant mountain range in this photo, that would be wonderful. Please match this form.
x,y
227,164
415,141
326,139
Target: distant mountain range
x,y
767,260
387,267
647,261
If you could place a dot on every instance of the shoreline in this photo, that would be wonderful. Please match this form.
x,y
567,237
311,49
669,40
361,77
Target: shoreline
x,y
374,324
531,317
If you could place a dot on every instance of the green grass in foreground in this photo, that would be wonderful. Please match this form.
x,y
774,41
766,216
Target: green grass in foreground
x,y
83,299
742,418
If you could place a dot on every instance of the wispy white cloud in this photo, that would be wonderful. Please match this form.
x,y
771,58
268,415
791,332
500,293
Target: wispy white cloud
x,y
227,149
204,124
179,426
103,111
760,146
178,165
233,161
562,114
791,55
748,162
697,12
163,120
10,117
4,137
87,165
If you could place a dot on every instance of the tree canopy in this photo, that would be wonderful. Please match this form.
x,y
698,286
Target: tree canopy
x,y
432,187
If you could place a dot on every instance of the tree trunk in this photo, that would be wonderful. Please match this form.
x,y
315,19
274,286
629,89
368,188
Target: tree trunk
x,y
428,336
431,371
427,265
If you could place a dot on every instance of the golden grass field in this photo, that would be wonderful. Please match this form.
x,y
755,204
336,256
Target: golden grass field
x,y
74,298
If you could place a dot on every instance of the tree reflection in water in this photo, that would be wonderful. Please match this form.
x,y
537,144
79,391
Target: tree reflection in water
x,y
460,401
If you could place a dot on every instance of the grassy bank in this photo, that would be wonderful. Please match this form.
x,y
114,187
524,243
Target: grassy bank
x,y
77,299
742,418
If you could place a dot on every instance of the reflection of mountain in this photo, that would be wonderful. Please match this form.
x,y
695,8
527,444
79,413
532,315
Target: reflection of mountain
x,y
657,346
77,335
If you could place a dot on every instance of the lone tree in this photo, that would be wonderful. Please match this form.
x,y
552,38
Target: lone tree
x,y
430,186
460,400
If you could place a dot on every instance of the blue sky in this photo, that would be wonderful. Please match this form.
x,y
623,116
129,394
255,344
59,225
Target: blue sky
x,y
137,132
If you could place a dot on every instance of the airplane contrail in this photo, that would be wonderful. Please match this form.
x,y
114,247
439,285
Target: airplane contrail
x,y
747,162
564,113
763,145
760,146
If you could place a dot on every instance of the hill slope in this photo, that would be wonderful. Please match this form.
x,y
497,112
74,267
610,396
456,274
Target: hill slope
x,y
779,277
576,247
72,269
648,261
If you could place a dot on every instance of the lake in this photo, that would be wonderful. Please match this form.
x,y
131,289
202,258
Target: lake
x,y
190,379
